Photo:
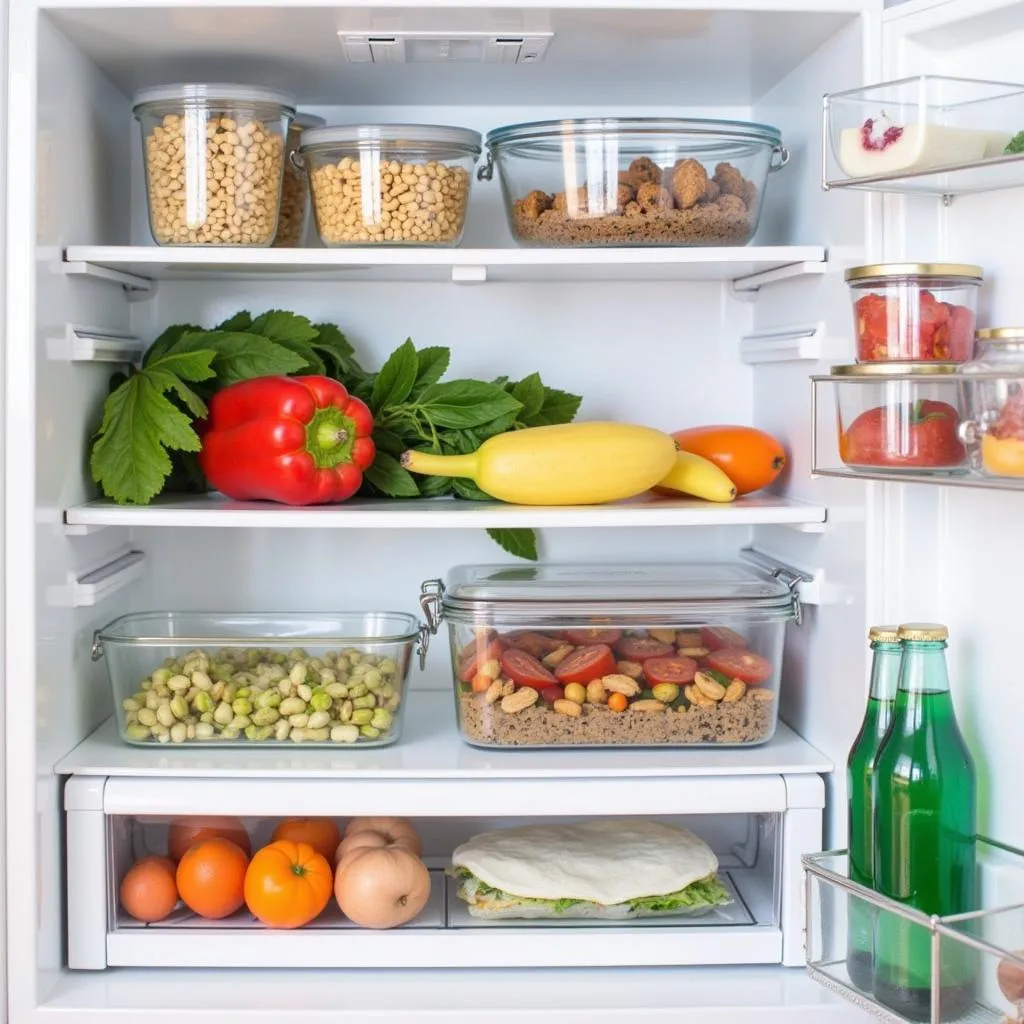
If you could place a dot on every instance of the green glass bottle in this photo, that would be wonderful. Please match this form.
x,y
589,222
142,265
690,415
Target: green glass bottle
x,y
885,673
925,799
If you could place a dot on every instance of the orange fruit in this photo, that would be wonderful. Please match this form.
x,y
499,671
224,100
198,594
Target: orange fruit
x,y
288,884
186,832
211,877
149,891
320,833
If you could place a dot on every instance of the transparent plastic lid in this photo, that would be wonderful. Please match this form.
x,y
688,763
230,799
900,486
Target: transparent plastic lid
x,y
393,135
733,131
204,92
226,629
623,592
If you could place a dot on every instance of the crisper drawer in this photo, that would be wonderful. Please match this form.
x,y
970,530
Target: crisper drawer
x,y
112,823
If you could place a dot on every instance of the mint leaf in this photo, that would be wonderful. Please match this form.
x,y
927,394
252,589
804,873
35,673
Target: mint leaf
x,y
396,378
388,441
337,353
469,490
281,326
501,425
129,458
434,486
530,392
519,542
387,476
291,331
465,403
166,340
558,407
241,321
240,356
431,365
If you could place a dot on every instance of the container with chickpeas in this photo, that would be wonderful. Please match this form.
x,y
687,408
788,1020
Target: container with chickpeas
x,y
294,218
389,184
214,158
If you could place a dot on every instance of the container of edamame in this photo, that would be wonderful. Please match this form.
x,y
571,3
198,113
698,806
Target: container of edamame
x,y
313,679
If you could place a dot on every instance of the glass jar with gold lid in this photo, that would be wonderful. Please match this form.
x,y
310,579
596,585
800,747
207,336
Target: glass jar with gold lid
x,y
899,417
992,397
914,311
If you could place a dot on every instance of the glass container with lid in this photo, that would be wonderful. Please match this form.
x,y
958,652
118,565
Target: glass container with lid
x,y
214,158
294,218
185,678
899,417
914,311
634,181
614,655
390,184
992,394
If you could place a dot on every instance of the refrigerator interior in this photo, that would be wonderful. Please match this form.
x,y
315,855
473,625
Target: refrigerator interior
x,y
664,351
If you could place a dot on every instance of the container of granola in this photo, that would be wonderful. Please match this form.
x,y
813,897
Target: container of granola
x,y
685,655
634,181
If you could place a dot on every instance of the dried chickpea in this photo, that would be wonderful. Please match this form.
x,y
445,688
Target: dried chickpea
x,y
371,199
294,188
213,168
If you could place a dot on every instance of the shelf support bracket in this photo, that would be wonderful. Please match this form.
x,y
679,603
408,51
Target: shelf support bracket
x,y
746,288
469,274
135,286
78,344
85,589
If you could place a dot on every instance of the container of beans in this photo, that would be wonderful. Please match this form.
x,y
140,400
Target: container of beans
x,y
670,655
317,679
214,157
291,225
389,184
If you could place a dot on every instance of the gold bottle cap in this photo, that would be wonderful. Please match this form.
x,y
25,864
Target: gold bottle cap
x,y
923,631
884,634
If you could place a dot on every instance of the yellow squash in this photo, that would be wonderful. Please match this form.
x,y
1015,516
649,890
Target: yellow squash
x,y
698,477
569,464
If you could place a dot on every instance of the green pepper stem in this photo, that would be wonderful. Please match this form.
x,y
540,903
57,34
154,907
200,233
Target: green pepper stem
x,y
330,435
428,464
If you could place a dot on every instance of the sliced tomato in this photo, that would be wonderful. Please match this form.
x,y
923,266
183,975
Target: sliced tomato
x,y
473,656
714,637
593,636
552,693
640,648
586,664
746,666
679,670
525,670
536,644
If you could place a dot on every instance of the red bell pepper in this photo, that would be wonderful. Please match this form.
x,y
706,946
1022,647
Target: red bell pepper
x,y
297,440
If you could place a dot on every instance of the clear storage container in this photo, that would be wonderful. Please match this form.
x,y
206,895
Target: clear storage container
x,y
992,388
294,218
214,156
390,184
634,181
914,311
227,679
553,656
913,125
899,417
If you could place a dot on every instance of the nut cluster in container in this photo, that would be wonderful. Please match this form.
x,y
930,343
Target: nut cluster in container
x,y
646,202
214,158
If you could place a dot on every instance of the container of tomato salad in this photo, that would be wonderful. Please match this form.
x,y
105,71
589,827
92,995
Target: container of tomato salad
x,y
900,417
614,655
992,390
920,312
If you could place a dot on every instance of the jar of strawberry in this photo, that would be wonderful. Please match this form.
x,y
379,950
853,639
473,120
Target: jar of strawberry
x,y
919,312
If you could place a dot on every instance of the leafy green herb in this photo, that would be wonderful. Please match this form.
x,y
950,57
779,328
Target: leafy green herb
x,y
140,425
1016,144
518,542
147,439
